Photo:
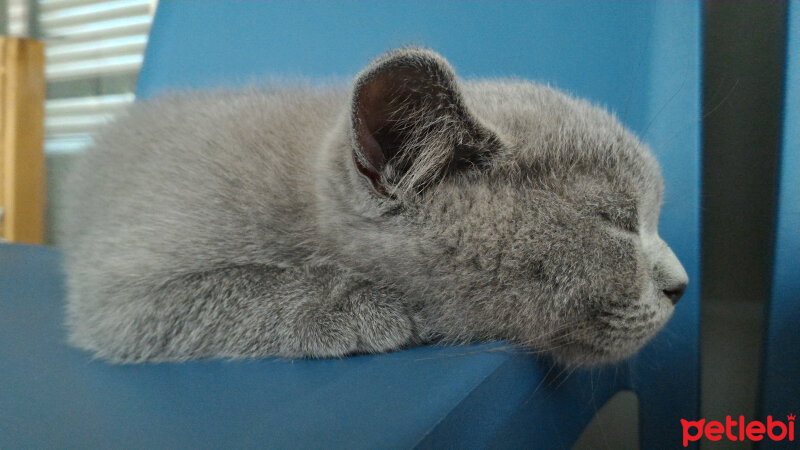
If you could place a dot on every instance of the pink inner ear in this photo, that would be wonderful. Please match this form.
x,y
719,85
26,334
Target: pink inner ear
x,y
371,115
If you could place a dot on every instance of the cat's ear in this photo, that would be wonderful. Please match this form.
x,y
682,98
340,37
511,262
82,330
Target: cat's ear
x,y
410,124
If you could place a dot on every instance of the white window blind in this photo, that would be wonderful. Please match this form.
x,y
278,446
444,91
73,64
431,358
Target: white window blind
x,y
90,45
17,17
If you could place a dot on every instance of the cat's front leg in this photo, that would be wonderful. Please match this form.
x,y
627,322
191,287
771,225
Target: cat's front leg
x,y
246,311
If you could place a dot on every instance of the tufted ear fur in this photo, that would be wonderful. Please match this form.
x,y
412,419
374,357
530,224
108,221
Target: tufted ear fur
x,y
410,124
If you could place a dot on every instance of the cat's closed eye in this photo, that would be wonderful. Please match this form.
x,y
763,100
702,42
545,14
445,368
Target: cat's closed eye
x,y
624,220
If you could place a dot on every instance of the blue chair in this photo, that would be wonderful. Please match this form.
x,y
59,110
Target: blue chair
x,y
781,369
642,60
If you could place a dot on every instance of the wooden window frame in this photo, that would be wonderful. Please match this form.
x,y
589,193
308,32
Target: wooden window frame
x,y
22,169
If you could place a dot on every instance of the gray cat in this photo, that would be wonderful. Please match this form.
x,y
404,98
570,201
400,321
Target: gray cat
x,y
412,208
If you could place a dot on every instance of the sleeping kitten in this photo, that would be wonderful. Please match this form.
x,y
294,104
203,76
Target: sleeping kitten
x,y
413,208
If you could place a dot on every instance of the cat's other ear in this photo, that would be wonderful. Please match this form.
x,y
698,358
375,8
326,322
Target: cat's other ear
x,y
410,124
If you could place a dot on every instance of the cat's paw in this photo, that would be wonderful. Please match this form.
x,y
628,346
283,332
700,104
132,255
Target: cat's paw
x,y
382,325
322,333
354,319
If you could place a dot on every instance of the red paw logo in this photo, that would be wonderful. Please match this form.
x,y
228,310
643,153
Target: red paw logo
x,y
738,430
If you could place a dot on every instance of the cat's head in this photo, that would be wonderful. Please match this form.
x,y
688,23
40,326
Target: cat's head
x,y
510,210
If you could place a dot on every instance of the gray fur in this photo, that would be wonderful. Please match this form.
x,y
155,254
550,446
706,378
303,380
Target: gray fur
x,y
257,223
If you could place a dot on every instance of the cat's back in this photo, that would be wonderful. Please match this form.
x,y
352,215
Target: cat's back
x,y
214,174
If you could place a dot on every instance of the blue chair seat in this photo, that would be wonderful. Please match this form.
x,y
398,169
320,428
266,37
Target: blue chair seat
x,y
53,396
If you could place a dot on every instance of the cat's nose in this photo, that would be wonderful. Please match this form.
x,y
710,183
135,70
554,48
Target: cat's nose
x,y
674,293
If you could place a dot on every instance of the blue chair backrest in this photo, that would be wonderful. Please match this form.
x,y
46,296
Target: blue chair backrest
x,y
641,60
781,370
